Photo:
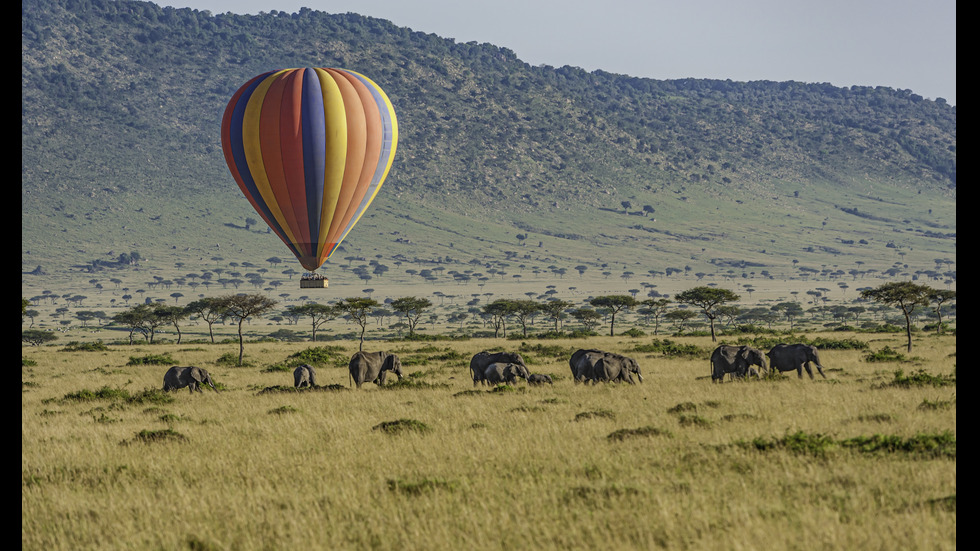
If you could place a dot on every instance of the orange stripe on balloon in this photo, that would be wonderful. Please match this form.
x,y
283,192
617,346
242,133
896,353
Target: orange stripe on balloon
x,y
372,150
275,165
356,142
291,150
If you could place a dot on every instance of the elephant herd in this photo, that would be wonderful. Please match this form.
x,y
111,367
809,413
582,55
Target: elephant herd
x,y
508,367
737,361
587,365
363,367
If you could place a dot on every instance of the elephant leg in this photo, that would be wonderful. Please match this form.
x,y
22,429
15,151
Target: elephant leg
x,y
808,370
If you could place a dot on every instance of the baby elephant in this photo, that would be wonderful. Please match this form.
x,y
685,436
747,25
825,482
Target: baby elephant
x,y
539,379
505,373
192,377
304,375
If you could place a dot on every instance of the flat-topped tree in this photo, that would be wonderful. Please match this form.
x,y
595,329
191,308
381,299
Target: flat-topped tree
x,y
708,299
242,307
615,304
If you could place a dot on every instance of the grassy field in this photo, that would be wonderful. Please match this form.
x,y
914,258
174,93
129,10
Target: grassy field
x,y
864,459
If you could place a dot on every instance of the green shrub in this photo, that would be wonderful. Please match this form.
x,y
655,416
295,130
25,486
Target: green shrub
x,y
886,354
104,393
152,359
693,420
162,435
605,413
936,405
418,487
798,442
921,378
75,346
934,445
230,359
278,368
151,396
401,425
556,351
682,407
670,349
623,434
320,356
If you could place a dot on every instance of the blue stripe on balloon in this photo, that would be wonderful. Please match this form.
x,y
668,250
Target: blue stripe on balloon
x,y
314,150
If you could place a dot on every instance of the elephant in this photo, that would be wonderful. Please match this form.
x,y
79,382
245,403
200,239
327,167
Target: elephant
x,y
582,361
192,377
482,360
373,366
787,357
304,375
585,366
505,373
539,379
736,361
616,367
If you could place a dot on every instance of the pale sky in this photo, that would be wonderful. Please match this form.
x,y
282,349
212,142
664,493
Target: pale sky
x,y
902,44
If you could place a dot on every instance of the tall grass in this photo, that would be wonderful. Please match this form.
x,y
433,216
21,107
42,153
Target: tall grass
x,y
663,464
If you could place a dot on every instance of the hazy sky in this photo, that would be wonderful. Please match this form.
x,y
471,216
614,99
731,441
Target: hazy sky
x,y
902,44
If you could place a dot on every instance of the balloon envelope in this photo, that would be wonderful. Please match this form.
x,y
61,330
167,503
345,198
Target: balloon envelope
x,y
310,149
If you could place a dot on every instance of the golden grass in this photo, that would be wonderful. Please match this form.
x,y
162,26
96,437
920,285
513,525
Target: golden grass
x,y
530,469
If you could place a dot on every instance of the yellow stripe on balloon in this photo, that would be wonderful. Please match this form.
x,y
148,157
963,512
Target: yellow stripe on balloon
x,y
253,151
335,155
391,156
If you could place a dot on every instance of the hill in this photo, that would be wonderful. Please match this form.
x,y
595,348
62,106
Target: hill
x,y
499,164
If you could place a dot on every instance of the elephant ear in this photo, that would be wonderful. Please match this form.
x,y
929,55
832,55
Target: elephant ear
x,y
198,374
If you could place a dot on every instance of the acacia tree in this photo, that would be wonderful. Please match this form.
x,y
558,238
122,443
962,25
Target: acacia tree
x,y
208,309
135,319
498,311
708,299
615,304
523,310
318,313
243,306
655,307
555,310
587,317
938,297
358,309
905,296
37,337
172,315
412,308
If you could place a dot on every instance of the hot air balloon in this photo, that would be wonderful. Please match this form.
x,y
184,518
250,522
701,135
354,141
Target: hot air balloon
x,y
310,149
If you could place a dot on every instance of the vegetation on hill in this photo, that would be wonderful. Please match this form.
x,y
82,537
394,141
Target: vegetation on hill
x,y
121,107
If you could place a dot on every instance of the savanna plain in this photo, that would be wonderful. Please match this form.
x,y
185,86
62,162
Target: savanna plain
x,y
861,459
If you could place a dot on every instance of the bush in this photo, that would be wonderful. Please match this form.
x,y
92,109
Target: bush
x,y
670,349
320,356
886,354
401,425
159,436
418,487
75,346
623,434
152,359
921,378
